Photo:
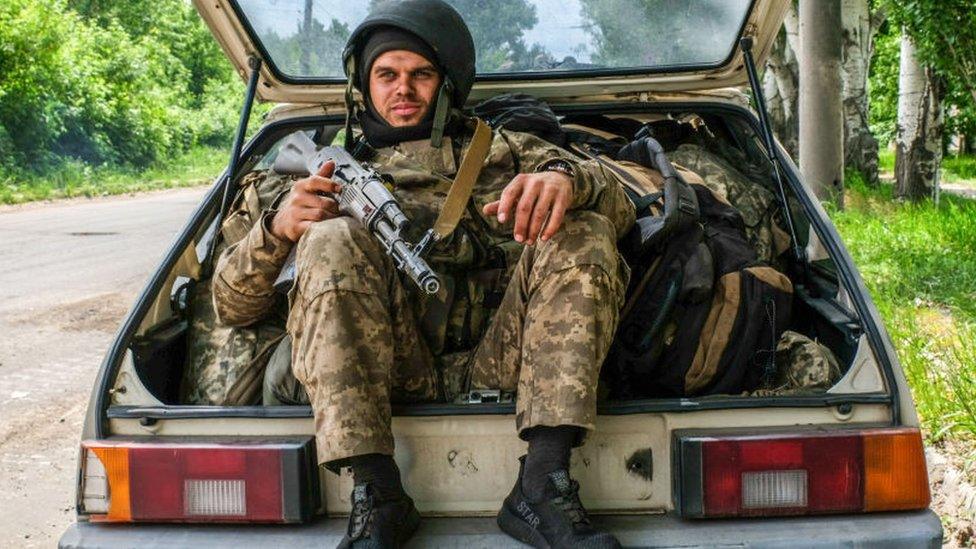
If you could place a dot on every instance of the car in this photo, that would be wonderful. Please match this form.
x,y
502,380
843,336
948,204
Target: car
x,y
842,466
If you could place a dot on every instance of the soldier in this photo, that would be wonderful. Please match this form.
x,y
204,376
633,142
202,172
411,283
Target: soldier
x,y
533,284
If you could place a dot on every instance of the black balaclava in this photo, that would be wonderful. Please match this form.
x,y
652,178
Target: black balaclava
x,y
379,133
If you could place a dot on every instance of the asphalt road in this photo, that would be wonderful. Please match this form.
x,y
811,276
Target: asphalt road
x,y
69,271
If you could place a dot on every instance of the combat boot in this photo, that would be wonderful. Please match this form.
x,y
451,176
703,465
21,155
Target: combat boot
x,y
377,523
557,520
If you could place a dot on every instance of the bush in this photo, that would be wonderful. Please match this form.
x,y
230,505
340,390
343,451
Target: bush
x,y
89,89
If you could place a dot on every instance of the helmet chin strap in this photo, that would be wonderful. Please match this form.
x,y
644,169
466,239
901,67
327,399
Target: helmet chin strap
x,y
441,113
350,105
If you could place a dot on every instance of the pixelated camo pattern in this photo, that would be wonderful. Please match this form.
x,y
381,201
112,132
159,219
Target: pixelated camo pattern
x,y
757,204
804,366
218,355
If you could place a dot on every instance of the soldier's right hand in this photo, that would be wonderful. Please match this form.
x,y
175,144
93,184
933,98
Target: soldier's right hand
x,y
306,204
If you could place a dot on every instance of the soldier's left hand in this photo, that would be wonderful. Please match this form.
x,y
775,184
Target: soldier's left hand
x,y
534,197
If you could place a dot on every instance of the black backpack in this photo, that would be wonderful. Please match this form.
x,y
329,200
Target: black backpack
x,y
702,316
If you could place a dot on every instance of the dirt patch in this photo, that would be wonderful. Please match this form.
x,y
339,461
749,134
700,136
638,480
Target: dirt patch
x,y
101,313
953,496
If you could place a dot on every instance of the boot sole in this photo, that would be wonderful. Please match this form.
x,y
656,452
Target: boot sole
x,y
410,525
518,529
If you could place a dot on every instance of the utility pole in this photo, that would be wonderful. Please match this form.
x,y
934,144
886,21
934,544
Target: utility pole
x,y
305,62
821,108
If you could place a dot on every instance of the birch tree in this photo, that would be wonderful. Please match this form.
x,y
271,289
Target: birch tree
x,y
859,28
781,84
918,145
821,123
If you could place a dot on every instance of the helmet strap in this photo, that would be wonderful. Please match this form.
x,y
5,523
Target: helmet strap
x,y
350,104
441,113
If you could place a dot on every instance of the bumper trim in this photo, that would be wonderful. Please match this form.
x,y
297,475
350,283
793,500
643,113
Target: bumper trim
x,y
882,530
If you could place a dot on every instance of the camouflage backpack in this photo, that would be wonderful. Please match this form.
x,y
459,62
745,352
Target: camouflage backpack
x,y
225,366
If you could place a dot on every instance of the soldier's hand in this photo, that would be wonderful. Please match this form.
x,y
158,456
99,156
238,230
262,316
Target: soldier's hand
x,y
306,204
539,202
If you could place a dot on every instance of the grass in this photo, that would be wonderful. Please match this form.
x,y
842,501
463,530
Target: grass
x,y
955,169
72,179
919,262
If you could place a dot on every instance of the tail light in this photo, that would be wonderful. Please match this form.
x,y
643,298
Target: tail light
x,y
190,481
821,472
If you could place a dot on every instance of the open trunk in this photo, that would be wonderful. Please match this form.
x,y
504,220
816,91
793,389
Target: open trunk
x,y
460,459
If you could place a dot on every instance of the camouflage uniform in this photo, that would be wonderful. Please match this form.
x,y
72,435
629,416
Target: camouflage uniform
x,y
220,357
362,338
757,204
804,366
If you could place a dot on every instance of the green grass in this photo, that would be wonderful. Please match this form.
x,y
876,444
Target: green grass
x,y
886,160
71,179
919,262
955,169
959,168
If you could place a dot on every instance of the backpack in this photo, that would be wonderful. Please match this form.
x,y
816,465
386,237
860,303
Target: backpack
x,y
703,315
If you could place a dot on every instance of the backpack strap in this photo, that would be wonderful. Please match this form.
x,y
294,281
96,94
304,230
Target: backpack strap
x,y
464,180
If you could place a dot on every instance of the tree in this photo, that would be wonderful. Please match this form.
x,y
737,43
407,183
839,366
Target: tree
x,y
821,128
918,150
781,84
941,37
859,29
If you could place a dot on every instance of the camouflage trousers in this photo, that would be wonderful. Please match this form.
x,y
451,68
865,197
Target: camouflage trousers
x,y
357,347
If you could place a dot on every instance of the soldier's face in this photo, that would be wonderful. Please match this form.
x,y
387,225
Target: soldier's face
x,y
403,87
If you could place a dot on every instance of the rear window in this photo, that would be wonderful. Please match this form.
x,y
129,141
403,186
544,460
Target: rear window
x,y
303,39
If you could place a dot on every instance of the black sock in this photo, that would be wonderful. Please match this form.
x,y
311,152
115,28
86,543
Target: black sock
x,y
380,471
548,451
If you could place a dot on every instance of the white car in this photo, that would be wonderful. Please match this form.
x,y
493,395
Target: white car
x,y
842,467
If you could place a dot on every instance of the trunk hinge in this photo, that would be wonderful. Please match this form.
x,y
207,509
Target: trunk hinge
x,y
745,44
227,196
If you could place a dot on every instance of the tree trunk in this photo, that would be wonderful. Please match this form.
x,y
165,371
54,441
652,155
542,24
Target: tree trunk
x,y
781,85
918,145
860,146
821,109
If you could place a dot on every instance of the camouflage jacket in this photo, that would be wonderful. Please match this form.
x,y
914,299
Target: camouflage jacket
x,y
476,261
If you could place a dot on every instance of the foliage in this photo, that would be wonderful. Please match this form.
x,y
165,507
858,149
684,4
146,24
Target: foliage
x,y
112,85
316,50
919,263
73,178
883,84
660,32
497,28
944,33
960,167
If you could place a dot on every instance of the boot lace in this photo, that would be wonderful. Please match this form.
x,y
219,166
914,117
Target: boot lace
x,y
569,503
361,519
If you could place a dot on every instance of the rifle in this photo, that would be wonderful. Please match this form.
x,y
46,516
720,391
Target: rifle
x,y
363,197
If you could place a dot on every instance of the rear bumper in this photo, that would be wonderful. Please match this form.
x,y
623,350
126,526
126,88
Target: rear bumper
x,y
888,530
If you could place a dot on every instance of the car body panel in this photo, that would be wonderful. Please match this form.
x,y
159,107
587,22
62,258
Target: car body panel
x,y
464,465
763,24
913,530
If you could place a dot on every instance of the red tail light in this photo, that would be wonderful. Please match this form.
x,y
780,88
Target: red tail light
x,y
800,474
186,481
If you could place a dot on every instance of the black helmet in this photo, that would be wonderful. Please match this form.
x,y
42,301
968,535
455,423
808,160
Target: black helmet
x,y
442,28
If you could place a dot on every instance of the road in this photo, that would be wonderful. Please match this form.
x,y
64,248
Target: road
x,y
70,271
